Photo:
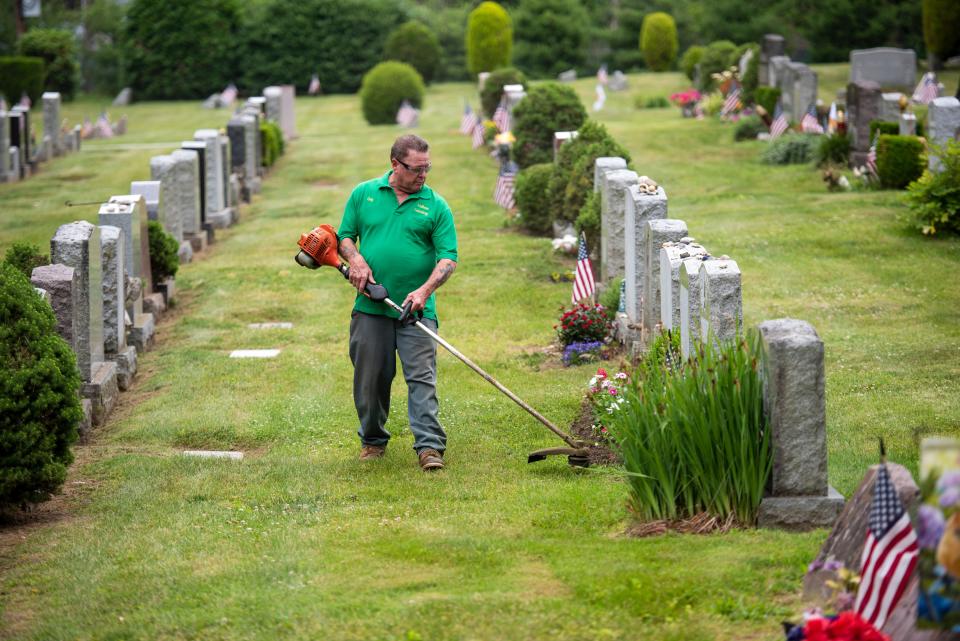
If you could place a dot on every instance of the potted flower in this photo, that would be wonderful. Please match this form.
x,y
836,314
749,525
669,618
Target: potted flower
x,y
687,101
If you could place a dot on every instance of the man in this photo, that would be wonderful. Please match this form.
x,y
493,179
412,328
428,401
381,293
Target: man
x,y
407,241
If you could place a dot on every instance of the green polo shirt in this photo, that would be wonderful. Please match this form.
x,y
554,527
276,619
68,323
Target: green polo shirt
x,y
401,243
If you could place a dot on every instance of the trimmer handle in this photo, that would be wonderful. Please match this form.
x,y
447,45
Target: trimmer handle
x,y
374,291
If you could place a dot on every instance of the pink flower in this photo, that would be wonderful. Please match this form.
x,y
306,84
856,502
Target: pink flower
x,y
613,391
601,372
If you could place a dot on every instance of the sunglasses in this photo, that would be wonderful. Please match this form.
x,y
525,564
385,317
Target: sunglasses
x,y
422,171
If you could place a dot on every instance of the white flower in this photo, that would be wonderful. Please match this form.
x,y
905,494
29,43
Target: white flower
x,y
593,382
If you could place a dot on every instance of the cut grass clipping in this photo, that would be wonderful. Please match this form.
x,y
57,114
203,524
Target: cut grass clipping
x,y
694,438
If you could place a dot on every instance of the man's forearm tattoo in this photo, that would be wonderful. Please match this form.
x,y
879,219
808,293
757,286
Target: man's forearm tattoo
x,y
347,250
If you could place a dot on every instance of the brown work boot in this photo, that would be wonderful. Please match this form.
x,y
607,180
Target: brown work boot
x,y
430,459
371,452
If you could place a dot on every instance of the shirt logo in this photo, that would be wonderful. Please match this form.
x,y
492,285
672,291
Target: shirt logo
x,y
369,199
423,210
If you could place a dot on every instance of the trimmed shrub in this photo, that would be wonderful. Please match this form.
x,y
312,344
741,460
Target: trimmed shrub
x,y
767,98
576,162
493,88
287,41
546,108
489,38
59,53
884,127
164,261
24,257
414,44
551,36
159,34
272,138
934,199
39,395
658,41
536,213
748,128
833,149
716,58
384,89
941,27
588,220
789,149
657,102
691,58
900,160
21,75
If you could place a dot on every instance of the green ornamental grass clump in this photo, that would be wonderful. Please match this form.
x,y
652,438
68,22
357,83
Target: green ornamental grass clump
x,y
690,59
934,199
164,261
791,148
489,38
658,41
25,257
900,160
545,109
414,43
694,437
384,89
39,395
492,90
533,198
58,50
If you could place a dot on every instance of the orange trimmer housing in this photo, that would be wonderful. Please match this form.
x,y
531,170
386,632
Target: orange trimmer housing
x,y
320,244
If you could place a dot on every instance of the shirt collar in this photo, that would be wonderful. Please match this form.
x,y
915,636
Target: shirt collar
x,y
425,192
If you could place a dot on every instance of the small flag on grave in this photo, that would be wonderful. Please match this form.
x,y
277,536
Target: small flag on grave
x,y
314,88
889,554
601,98
779,125
468,122
478,132
602,75
872,154
810,124
732,101
583,283
503,192
927,89
407,115
103,127
501,117
832,119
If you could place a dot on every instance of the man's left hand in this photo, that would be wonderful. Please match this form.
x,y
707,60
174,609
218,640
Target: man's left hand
x,y
417,298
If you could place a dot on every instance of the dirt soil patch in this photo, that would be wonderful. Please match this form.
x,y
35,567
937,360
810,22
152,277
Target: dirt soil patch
x,y
702,523
582,428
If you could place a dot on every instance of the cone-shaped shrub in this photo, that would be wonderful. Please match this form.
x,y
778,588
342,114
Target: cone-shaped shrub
x,y
658,41
489,38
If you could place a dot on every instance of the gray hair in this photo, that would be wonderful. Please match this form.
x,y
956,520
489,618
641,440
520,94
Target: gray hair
x,y
407,143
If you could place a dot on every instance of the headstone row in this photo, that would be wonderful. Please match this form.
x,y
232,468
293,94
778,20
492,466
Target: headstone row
x,y
19,157
797,82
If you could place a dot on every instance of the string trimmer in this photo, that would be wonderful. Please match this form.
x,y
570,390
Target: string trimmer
x,y
320,247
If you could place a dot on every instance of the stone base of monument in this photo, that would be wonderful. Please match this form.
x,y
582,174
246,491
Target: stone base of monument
x,y
185,252
154,304
169,290
102,390
798,513
141,333
629,334
858,159
126,361
220,219
253,184
86,422
197,241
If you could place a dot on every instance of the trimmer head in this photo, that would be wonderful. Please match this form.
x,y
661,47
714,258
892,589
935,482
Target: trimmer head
x,y
576,456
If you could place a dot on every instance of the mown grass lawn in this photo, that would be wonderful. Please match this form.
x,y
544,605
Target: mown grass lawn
x,y
301,541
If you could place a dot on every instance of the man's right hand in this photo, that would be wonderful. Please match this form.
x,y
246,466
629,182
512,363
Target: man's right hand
x,y
360,273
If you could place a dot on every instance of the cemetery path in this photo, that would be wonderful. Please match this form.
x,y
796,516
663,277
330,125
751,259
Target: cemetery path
x,y
299,540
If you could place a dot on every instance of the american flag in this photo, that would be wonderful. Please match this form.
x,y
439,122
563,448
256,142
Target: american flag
x,y
407,116
103,127
872,154
478,132
810,124
889,555
583,284
779,125
314,87
602,74
733,99
832,118
503,192
468,122
927,89
501,117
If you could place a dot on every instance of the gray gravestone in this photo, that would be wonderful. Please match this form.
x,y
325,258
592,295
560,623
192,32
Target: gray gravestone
x,y
794,400
658,232
273,96
908,124
613,196
603,165
217,213
888,67
63,293
690,303
128,212
618,81
640,209
15,169
671,257
187,180
721,303
124,97
20,136
863,105
223,142
804,89
776,69
786,81
513,94
288,115
4,146
114,296
773,45
164,170
51,122
943,124
251,157
890,106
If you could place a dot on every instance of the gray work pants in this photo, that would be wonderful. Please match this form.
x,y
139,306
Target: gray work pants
x,y
374,343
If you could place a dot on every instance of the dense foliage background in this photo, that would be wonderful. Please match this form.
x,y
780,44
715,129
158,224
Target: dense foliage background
x,y
142,43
